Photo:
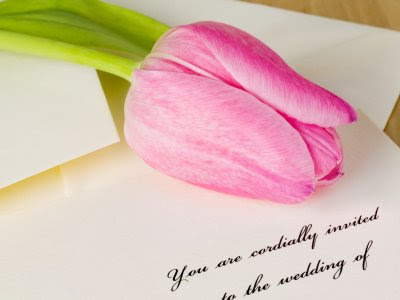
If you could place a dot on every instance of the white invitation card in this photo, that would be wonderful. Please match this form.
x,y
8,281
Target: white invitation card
x,y
144,235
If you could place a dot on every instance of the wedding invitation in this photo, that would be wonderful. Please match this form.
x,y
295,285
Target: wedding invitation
x,y
144,235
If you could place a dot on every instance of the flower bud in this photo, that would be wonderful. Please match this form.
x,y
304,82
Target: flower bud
x,y
214,106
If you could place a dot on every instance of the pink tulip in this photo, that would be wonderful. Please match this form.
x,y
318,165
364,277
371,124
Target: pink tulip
x,y
214,106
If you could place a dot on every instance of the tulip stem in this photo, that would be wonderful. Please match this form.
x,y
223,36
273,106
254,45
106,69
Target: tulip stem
x,y
114,64
88,32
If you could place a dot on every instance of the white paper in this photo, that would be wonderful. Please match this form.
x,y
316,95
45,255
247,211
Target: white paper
x,y
120,241
50,112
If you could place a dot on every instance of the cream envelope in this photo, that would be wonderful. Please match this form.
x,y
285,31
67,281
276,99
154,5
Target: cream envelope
x,y
121,240
50,112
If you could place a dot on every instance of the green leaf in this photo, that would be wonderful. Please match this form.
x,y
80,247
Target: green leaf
x,y
79,30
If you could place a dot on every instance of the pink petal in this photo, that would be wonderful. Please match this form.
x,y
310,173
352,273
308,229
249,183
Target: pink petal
x,y
213,135
221,51
182,50
325,149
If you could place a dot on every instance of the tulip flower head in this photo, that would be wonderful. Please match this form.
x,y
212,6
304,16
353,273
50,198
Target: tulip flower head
x,y
214,106
210,104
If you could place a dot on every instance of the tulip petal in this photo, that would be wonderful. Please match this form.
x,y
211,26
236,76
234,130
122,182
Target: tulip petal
x,y
182,50
325,149
239,59
216,136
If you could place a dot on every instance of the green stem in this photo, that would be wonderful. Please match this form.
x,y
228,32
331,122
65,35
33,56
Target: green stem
x,y
88,32
21,43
